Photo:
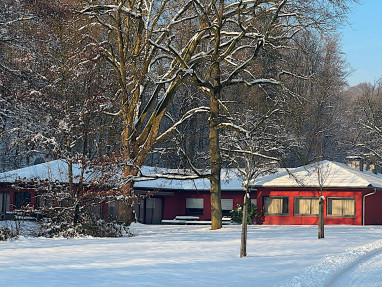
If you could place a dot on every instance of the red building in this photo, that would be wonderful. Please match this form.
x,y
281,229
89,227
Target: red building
x,y
291,196
287,197
166,199
172,198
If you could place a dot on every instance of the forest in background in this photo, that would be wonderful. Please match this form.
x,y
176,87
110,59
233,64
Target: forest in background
x,y
197,85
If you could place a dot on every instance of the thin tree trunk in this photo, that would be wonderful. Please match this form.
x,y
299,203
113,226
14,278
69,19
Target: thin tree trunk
x,y
243,245
321,218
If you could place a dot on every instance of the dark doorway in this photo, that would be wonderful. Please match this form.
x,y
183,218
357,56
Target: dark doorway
x,y
4,204
150,211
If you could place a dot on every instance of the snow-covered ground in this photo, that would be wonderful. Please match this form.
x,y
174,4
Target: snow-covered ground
x,y
195,256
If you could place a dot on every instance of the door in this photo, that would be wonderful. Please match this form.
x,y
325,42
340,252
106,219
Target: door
x,y
154,210
4,204
150,211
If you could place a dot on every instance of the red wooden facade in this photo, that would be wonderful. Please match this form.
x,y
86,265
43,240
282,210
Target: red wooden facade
x,y
359,194
174,203
372,203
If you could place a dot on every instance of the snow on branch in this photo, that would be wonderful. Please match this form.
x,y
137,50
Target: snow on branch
x,y
17,20
186,116
175,175
283,72
94,9
256,82
248,152
234,127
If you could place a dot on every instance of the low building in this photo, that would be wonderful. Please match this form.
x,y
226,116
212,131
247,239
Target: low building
x,y
172,198
161,199
291,196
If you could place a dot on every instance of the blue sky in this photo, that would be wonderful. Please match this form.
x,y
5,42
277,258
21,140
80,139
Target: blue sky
x,y
362,42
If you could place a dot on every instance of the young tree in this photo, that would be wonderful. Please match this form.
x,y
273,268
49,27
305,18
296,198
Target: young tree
x,y
256,150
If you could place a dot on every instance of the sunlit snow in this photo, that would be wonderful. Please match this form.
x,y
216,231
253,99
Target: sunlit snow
x,y
160,255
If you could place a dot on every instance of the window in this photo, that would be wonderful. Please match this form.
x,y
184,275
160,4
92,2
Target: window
x,y
22,198
194,206
254,201
276,205
306,206
43,200
341,207
227,206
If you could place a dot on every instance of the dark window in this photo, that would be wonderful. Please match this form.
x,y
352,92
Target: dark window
x,y
194,206
276,205
227,206
22,198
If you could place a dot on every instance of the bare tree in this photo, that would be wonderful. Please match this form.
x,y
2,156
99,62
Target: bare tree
x,y
256,148
137,39
236,36
367,123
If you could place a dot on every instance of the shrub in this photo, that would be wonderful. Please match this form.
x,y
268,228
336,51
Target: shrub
x,y
5,233
237,213
11,232
61,225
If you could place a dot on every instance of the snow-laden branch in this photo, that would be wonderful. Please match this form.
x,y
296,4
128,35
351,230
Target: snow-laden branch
x,y
186,116
234,127
269,81
21,19
94,9
252,153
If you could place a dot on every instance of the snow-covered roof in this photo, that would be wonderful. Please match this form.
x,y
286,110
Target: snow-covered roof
x,y
329,174
57,170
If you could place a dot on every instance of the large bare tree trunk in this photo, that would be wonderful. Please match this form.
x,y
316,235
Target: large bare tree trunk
x,y
125,211
216,211
215,155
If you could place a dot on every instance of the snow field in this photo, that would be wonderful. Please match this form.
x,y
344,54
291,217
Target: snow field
x,y
161,255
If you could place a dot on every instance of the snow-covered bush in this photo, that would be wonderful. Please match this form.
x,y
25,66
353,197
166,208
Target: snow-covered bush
x,y
5,233
10,232
60,224
237,213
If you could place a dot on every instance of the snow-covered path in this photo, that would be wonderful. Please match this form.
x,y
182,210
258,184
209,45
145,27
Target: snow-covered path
x,y
366,272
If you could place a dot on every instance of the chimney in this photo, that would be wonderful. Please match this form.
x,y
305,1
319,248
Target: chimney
x,y
356,162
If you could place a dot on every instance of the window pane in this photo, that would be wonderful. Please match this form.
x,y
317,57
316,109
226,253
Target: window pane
x,y
304,206
227,204
348,207
308,206
273,205
341,207
194,206
337,207
194,202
